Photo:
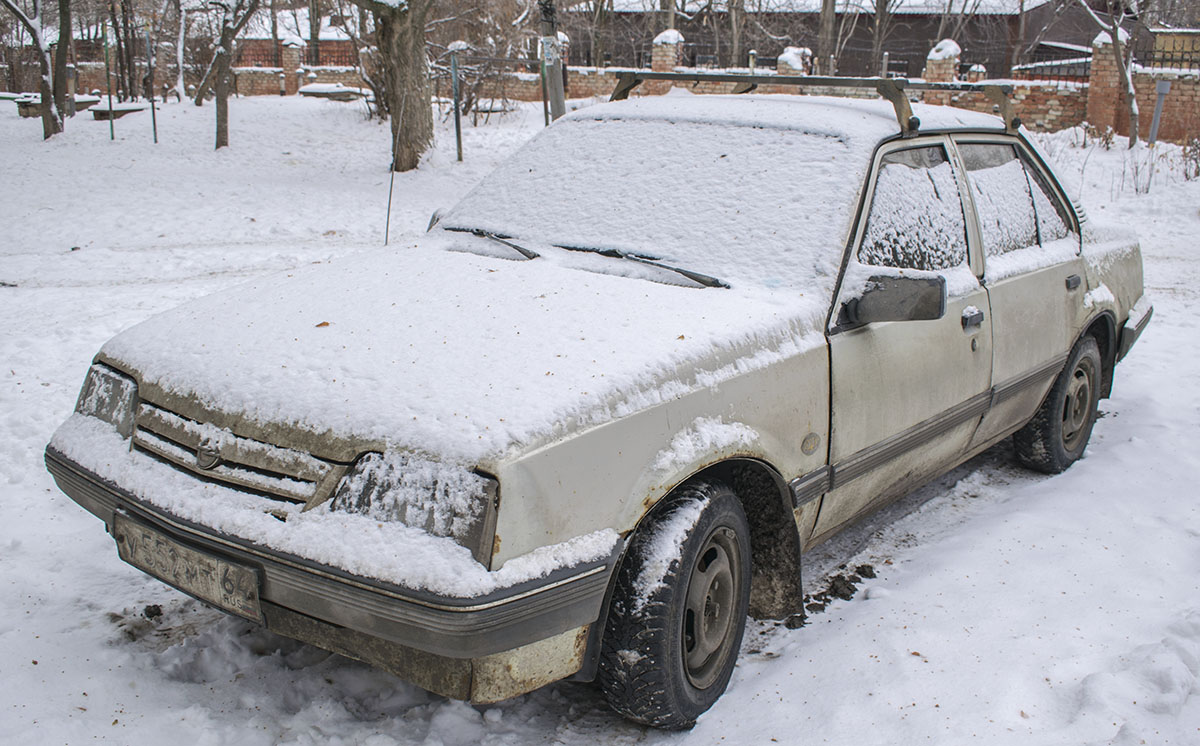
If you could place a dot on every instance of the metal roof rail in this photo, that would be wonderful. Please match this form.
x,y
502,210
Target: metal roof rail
x,y
892,89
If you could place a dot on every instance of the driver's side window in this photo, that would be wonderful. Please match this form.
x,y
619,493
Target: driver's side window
x,y
916,219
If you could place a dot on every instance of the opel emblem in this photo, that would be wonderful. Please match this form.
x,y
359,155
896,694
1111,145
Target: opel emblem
x,y
208,454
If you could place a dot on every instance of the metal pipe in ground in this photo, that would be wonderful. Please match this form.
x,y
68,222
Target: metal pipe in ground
x,y
112,135
457,103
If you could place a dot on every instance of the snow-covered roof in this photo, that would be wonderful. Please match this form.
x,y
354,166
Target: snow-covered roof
x,y
899,7
293,26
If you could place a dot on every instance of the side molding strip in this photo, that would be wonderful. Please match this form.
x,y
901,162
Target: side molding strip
x,y
810,486
859,464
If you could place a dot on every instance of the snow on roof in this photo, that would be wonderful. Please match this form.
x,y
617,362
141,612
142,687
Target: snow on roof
x,y
1104,37
1065,45
867,7
293,26
946,49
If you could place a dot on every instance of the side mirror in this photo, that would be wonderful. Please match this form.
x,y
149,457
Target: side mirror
x,y
434,219
896,299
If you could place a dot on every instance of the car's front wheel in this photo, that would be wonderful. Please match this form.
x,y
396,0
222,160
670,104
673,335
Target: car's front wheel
x,y
1056,436
678,610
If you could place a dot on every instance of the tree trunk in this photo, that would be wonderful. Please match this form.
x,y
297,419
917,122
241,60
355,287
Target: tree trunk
x,y
314,32
116,24
60,61
51,123
222,90
737,22
401,39
1128,92
825,39
275,56
879,31
1018,46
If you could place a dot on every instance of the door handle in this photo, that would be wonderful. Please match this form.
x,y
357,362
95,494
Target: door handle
x,y
1073,282
971,317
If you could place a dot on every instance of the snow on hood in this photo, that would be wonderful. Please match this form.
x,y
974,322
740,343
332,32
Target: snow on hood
x,y
456,354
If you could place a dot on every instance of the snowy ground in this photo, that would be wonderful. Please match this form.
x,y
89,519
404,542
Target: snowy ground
x,y
1008,608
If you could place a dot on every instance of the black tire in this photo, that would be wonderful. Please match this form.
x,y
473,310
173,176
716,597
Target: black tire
x,y
678,610
1057,435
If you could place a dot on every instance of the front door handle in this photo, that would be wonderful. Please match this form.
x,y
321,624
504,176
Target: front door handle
x,y
972,318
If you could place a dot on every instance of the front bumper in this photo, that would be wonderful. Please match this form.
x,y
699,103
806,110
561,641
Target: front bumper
x,y
481,649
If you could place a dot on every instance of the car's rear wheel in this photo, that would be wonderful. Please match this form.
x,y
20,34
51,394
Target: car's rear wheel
x,y
1058,434
678,610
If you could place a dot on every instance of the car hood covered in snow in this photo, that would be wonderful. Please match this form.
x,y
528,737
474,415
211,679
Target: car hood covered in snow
x,y
454,354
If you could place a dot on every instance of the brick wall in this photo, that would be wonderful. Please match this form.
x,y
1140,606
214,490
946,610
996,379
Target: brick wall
x,y
1107,107
1041,105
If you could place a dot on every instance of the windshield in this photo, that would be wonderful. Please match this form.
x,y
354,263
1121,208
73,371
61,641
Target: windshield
x,y
757,206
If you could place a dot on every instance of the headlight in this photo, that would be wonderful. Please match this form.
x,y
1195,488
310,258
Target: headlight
x,y
443,499
109,396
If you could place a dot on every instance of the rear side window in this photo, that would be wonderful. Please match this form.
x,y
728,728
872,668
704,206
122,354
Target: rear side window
x,y
1003,200
916,219
1051,218
1015,205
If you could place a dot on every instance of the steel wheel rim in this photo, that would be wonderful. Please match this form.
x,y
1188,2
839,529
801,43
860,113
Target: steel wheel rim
x,y
710,608
1077,405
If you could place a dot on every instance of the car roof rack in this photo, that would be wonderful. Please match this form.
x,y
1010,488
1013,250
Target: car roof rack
x,y
893,89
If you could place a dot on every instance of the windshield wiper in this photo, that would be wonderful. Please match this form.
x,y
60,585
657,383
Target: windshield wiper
x,y
527,253
701,279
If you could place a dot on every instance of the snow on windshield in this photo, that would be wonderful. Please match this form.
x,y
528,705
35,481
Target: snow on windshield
x,y
751,205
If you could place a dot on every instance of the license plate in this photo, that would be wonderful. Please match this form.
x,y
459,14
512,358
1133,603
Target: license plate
x,y
223,584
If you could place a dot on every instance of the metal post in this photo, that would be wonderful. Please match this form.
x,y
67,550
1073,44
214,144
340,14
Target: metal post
x,y
457,103
883,68
72,84
753,60
282,84
112,135
545,98
832,68
553,60
151,56
1162,88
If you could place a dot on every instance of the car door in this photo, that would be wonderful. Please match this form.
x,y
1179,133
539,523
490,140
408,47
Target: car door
x,y
1032,271
906,396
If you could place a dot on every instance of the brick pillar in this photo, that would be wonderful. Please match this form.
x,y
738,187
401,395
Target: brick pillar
x,y
289,60
1104,107
941,65
665,55
794,61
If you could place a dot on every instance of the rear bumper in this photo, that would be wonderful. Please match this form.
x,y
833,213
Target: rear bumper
x,y
1130,334
443,644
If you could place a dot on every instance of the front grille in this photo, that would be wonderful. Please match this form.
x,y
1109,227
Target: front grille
x,y
283,473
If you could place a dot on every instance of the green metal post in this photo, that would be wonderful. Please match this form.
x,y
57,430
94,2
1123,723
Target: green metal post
x,y
457,103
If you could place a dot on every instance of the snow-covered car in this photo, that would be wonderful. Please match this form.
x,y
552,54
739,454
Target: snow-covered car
x,y
594,416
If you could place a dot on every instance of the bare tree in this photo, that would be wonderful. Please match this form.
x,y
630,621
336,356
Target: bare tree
x,y
1123,54
400,39
1026,42
62,105
881,28
825,38
954,20
220,71
32,23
